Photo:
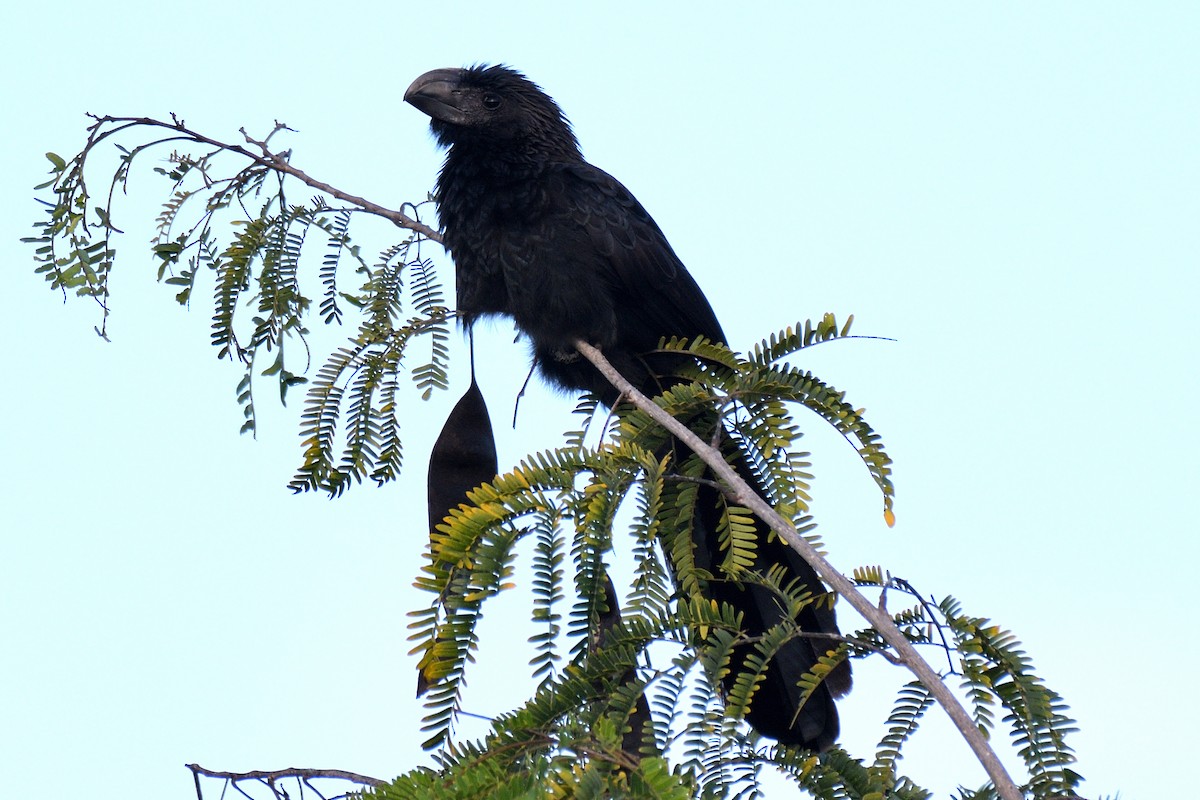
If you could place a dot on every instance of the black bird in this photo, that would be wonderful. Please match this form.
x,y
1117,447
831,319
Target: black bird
x,y
540,235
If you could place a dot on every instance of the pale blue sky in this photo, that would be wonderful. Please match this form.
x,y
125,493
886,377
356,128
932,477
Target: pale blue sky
x,y
1009,191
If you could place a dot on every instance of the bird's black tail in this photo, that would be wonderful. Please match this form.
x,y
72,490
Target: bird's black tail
x,y
777,709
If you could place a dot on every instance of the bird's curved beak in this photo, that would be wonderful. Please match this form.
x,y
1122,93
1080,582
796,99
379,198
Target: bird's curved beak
x,y
436,93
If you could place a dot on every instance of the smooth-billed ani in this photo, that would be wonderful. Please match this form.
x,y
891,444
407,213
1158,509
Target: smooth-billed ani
x,y
540,235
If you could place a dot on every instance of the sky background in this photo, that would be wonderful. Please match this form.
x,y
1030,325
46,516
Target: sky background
x,y
1009,191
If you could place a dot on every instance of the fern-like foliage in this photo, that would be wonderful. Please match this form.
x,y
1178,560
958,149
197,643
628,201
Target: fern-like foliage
x,y
994,674
995,670
228,216
676,642
569,499
361,379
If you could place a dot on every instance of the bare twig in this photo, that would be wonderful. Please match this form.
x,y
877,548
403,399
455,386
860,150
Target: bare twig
x,y
294,771
284,774
741,493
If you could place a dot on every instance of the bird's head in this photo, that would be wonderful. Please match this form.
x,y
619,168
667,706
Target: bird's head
x,y
495,105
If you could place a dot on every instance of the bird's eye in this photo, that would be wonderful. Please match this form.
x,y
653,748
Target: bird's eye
x,y
491,101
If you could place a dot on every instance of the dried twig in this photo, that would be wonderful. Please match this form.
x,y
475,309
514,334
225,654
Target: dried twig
x,y
270,778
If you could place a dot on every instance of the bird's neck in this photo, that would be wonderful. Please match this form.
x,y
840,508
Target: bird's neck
x,y
486,159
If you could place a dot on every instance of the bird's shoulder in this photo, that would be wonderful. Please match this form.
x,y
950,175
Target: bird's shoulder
x,y
581,195
583,188
635,253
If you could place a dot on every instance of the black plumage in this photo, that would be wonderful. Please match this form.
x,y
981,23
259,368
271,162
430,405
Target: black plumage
x,y
540,235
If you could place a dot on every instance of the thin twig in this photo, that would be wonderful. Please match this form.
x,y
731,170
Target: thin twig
x,y
267,158
929,606
294,772
741,493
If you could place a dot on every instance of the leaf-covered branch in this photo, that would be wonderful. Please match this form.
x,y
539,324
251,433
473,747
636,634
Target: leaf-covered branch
x,y
106,126
229,214
742,494
569,495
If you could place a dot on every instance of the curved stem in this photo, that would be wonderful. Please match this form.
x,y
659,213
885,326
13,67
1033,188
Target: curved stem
x,y
267,158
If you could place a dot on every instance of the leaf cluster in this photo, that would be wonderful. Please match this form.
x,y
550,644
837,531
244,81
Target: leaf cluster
x,y
994,674
670,643
230,215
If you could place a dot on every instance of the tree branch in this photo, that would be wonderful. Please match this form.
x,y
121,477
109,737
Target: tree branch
x,y
267,158
270,776
741,493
